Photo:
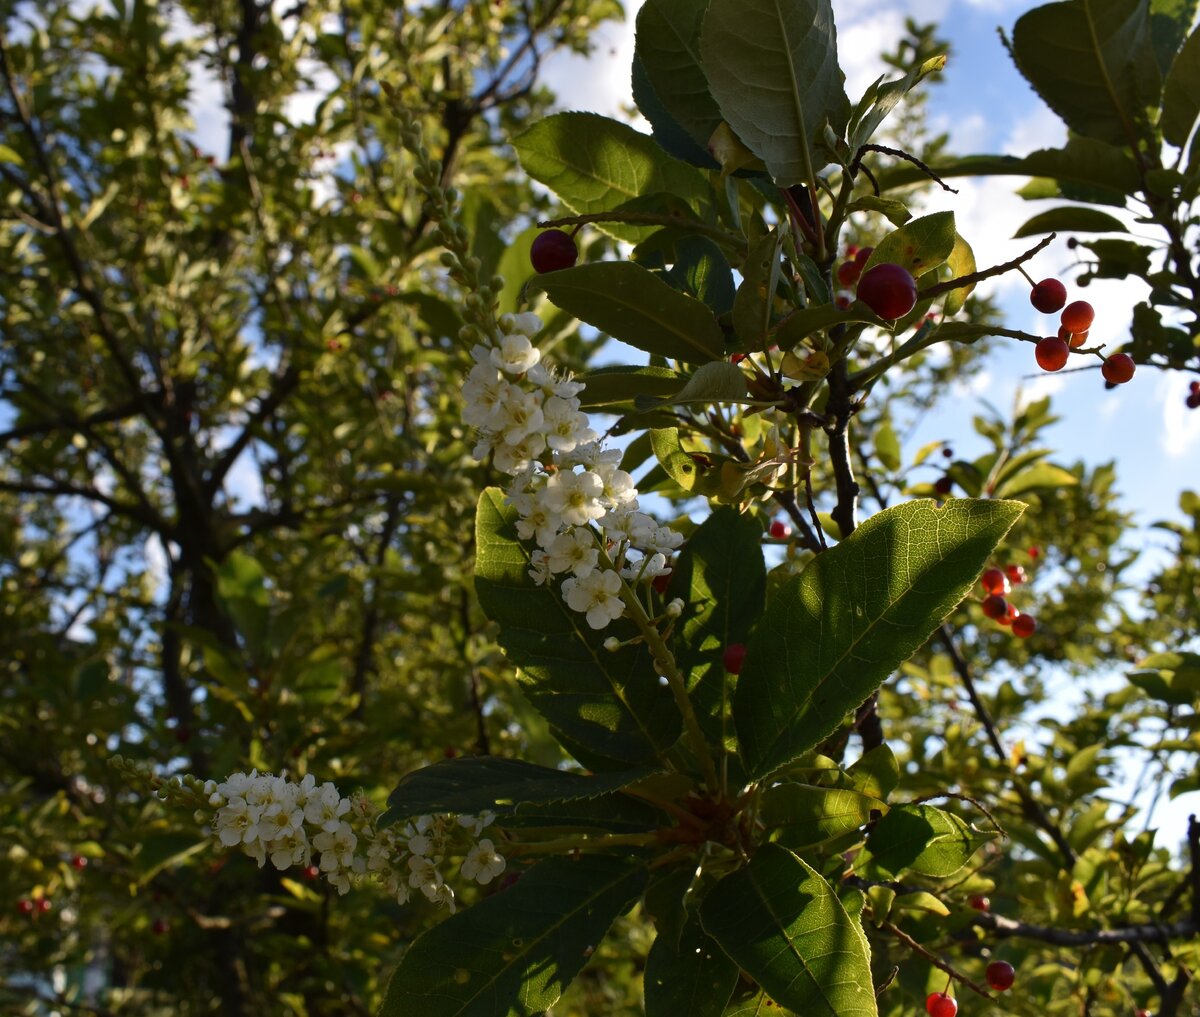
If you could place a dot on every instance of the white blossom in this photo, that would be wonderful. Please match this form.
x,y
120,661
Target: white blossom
x,y
483,863
597,595
574,551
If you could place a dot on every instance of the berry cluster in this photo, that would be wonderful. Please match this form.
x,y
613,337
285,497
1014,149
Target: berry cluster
x,y
1049,296
1193,396
996,584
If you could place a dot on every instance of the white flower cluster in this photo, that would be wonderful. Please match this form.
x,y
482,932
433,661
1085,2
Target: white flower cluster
x,y
569,492
292,823
410,858
288,822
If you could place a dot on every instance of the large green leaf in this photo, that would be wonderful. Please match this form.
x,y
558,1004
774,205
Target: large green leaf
x,y
623,383
637,307
1181,93
1071,219
755,298
1170,22
491,783
609,703
785,927
721,576
668,44
923,839
1170,677
687,973
667,131
772,68
595,164
834,633
512,954
804,815
920,245
886,97
1093,63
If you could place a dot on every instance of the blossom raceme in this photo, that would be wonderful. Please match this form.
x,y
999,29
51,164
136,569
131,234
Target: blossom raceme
x,y
571,496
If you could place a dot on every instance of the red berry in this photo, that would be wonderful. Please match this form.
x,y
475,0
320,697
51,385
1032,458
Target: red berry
x,y
737,358
1052,353
1011,614
1193,400
44,905
1194,387
79,863
1078,316
1074,339
889,290
948,453
450,752
995,607
1048,296
779,530
311,872
160,927
1015,574
1034,552
848,272
1000,975
939,1004
1024,626
1118,368
862,254
661,583
552,251
733,657
1143,1013
980,903
25,906
994,582
943,485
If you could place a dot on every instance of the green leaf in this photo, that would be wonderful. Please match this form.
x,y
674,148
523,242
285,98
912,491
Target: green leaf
x,y
754,301
241,588
701,269
804,814
719,381
721,576
1170,677
667,131
668,44
609,703
687,973
1071,218
772,68
490,783
8,155
887,447
513,954
1181,93
621,383
887,97
923,839
892,209
1170,22
961,263
920,245
1043,476
637,307
804,321
595,164
785,927
834,633
1093,63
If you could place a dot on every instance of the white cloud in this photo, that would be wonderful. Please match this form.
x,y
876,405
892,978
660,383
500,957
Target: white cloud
x,y
1180,425
600,83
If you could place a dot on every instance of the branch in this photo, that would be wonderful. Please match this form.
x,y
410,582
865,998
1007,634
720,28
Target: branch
x,y
935,960
60,489
40,427
281,388
1005,928
987,273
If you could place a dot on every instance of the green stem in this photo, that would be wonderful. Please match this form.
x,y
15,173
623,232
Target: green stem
x,y
664,660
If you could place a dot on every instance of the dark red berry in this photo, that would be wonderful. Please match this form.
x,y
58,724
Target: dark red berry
x,y
980,903
160,927
1143,1013
1000,975
948,453
25,906
450,752
889,290
79,863
661,583
1034,552
1052,353
943,485
311,872
552,251
940,1005
862,254
1193,400
1048,296
1194,387
1011,614
995,607
1024,626
44,905
848,272
737,358
1015,574
1078,316
733,657
993,581
779,530
1118,368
